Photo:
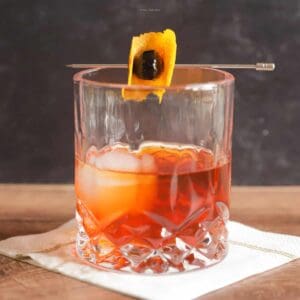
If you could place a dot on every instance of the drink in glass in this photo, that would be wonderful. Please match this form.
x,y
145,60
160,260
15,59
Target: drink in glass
x,y
152,179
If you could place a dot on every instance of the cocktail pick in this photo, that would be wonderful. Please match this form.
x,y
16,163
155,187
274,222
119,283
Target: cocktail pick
x,y
261,66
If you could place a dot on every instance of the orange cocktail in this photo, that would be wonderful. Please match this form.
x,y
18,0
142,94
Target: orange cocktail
x,y
142,201
153,165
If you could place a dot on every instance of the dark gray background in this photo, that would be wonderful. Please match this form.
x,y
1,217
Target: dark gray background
x,y
37,38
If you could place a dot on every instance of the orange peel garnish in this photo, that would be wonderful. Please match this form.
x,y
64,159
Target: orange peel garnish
x,y
164,44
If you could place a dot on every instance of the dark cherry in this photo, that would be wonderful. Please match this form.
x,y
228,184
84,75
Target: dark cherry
x,y
148,66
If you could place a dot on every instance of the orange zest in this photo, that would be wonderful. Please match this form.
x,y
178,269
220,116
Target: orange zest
x,y
164,44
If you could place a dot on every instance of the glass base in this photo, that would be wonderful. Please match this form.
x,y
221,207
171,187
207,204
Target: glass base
x,y
176,255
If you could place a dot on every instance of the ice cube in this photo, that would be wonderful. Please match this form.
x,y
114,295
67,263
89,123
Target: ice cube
x,y
108,194
119,161
91,155
105,193
148,164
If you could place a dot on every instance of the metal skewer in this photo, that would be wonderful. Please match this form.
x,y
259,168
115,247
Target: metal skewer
x,y
258,66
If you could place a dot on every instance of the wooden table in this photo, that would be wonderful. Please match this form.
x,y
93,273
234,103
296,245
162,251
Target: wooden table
x,y
28,209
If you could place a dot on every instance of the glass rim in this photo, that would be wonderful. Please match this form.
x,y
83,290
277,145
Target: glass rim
x,y
227,80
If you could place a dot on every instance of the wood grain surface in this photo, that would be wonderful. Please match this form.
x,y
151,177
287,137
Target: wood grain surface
x,y
26,209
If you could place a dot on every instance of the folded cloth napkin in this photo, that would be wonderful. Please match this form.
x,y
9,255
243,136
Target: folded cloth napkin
x,y
251,252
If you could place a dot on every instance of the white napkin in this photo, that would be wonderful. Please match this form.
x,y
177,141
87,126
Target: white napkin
x,y
250,252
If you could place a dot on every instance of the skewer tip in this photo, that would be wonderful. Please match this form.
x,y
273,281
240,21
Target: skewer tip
x,y
265,66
